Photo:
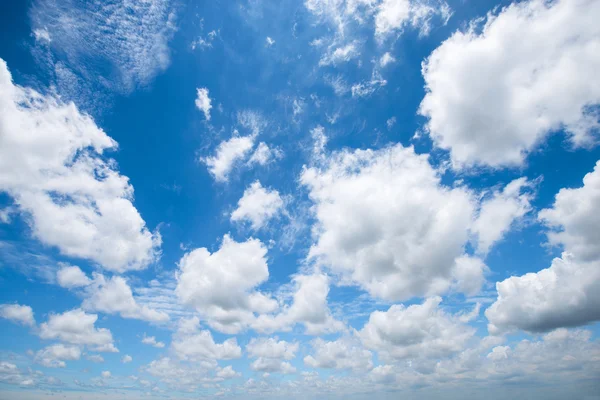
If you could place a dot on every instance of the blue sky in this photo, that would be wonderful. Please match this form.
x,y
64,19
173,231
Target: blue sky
x,y
319,199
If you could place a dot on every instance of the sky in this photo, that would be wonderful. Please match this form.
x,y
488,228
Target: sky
x,y
332,199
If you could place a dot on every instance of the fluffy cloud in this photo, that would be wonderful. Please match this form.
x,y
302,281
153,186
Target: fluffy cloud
x,y
417,331
386,223
151,340
574,218
499,211
192,344
389,16
559,356
271,365
227,373
264,154
114,296
492,96
203,102
110,296
344,353
228,154
308,307
17,313
271,348
258,205
51,164
394,15
126,359
270,353
568,292
76,327
340,55
72,277
222,285
55,356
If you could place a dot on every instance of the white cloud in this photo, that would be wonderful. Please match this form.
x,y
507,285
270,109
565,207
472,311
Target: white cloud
x,y
227,373
17,313
95,358
131,38
417,331
151,340
222,286
367,88
344,353
574,218
568,292
395,15
72,277
271,348
492,97
390,122
206,42
106,374
42,35
564,295
340,55
76,327
55,356
386,59
308,307
126,359
51,164
191,343
270,41
228,153
114,296
263,155
386,223
270,365
500,211
258,205
203,102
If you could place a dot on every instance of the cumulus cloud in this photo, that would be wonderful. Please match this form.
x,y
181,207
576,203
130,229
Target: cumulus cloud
x,y
308,307
126,359
78,328
203,102
71,276
395,15
114,296
388,17
270,365
52,165
151,340
568,292
499,211
228,154
386,222
417,331
264,154
17,313
191,343
492,97
258,205
221,286
344,353
573,220
55,356
271,348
